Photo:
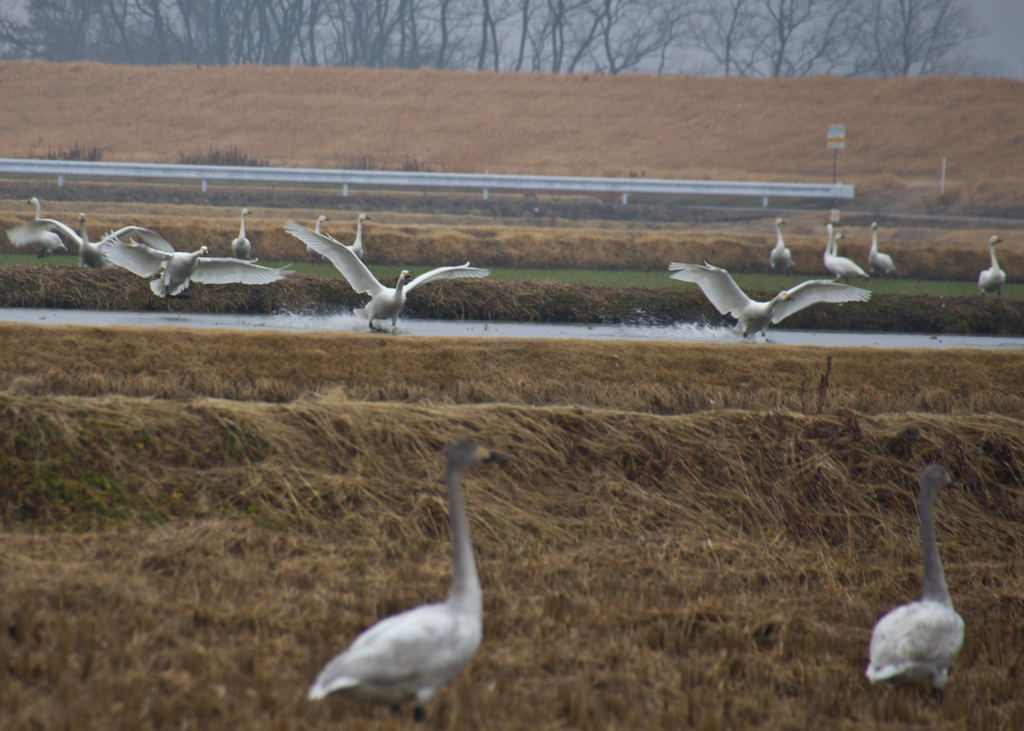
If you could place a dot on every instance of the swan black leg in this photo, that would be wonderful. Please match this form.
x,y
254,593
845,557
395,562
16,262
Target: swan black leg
x,y
937,692
396,710
419,714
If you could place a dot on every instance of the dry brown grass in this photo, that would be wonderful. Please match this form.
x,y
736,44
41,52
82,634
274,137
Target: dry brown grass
x,y
717,570
710,128
632,376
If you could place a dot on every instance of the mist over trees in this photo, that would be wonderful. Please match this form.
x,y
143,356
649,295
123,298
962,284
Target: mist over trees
x,y
757,38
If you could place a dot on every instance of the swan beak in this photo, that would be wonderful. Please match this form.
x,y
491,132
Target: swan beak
x,y
785,295
488,456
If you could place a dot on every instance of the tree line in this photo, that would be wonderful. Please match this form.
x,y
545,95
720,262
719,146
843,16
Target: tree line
x,y
756,38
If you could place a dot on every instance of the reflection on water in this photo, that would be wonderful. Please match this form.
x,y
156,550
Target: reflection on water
x,y
350,323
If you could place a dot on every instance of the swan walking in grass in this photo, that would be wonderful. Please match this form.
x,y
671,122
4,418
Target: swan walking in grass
x,y
718,286
781,258
177,269
385,302
840,266
240,247
408,656
916,642
993,278
41,231
314,256
876,259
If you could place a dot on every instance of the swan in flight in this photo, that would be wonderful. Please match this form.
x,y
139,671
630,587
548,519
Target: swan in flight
x,y
177,270
993,278
41,232
314,256
385,302
876,259
408,656
753,316
916,642
840,266
781,256
240,247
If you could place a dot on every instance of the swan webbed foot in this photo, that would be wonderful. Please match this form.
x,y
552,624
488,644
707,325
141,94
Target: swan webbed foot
x,y
419,714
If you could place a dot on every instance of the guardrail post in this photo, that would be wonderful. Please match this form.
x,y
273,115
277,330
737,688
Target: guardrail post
x,y
764,203
204,185
344,189
485,193
60,180
625,197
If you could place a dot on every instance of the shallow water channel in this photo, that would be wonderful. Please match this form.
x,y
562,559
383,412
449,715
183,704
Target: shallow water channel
x,y
443,328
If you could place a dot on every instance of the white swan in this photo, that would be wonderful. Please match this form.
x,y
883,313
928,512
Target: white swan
x,y
178,269
386,302
916,642
781,256
314,256
993,278
876,259
240,247
412,654
840,266
357,245
41,232
753,316
89,254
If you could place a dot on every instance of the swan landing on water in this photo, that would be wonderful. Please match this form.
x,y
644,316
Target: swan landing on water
x,y
916,642
408,656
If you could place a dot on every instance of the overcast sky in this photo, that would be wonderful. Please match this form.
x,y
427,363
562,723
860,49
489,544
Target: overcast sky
x,y
1002,42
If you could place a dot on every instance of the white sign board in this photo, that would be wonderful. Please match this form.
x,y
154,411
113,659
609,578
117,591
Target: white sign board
x,y
836,136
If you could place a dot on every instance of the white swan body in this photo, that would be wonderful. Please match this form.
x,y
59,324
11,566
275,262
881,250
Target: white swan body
x,y
408,656
718,286
314,256
917,642
876,259
240,247
781,256
840,266
993,278
41,231
385,302
177,270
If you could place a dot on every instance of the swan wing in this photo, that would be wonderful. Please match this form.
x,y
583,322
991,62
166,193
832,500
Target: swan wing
x,y
920,638
717,285
135,257
343,259
816,290
151,238
422,648
228,270
465,271
29,233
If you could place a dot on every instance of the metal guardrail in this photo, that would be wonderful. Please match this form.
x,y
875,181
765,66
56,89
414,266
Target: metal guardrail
x,y
345,178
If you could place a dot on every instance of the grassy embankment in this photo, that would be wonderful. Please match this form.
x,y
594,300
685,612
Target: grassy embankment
x,y
898,130
643,564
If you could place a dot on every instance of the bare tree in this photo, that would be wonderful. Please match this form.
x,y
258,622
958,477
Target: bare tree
x,y
916,37
631,31
727,31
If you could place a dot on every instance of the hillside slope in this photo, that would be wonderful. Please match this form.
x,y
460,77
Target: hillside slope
x,y
671,127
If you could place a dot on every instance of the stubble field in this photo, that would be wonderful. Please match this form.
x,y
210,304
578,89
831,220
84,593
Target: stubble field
x,y
686,536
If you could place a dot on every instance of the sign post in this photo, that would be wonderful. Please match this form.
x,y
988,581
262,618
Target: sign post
x,y
836,142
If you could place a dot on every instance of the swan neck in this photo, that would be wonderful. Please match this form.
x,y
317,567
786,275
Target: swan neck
x,y
935,587
992,252
85,232
829,250
39,210
241,233
466,593
874,242
779,242
359,233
